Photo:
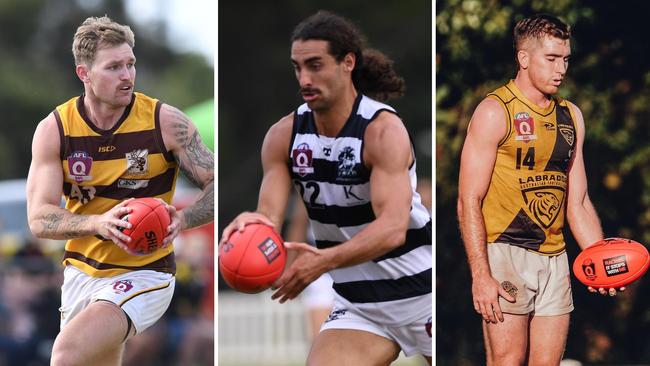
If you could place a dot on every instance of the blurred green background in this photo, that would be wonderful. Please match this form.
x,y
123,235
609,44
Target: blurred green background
x,y
609,79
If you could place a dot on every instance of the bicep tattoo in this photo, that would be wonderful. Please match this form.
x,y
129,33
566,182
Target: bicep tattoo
x,y
193,155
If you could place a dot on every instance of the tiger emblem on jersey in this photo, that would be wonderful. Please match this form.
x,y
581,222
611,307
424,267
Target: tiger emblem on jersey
x,y
544,205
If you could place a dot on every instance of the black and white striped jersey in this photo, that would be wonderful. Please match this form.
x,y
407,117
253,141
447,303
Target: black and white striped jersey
x,y
333,181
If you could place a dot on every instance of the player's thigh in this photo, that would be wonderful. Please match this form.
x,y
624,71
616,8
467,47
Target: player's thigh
x,y
350,347
94,336
548,336
506,342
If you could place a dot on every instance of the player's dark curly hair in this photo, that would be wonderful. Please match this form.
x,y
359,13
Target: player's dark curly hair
x,y
373,73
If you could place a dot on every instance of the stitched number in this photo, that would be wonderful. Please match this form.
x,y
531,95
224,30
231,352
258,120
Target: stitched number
x,y
314,194
83,194
528,160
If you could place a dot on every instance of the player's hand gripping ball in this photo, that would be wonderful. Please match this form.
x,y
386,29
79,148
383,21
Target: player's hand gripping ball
x,y
251,260
149,220
611,263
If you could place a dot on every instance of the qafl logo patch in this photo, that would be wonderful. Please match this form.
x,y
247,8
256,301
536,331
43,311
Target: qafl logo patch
x,y
302,157
79,165
510,288
544,203
347,162
270,249
524,127
122,286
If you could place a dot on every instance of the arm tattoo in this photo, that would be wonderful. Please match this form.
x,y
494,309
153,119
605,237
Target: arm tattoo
x,y
202,211
51,223
193,155
74,223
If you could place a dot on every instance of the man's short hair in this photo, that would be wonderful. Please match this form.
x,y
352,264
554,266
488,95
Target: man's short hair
x,y
537,27
95,34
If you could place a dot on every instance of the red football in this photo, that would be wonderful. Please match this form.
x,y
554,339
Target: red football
x,y
149,220
611,263
250,261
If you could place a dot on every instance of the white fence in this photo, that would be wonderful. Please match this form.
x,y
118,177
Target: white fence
x,y
255,331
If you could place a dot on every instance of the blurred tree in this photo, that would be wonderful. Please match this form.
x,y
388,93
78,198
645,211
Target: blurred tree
x,y
609,79
37,68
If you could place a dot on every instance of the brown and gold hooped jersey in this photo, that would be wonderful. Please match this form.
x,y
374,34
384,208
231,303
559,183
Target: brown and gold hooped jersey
x,y
104,167
525,203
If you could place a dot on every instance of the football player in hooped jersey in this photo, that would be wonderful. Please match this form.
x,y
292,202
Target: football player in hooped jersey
x,y
521,169
98,150
351,160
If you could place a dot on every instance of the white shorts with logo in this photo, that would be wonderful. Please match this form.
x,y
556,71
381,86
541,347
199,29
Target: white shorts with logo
x,y
143,295
414,338
539,283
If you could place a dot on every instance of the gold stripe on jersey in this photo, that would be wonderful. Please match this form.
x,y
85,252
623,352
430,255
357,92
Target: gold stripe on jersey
x,y
525,203
102,168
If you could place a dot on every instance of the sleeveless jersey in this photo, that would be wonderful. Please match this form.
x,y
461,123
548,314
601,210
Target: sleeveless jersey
x,y
525,203
101,168
333,182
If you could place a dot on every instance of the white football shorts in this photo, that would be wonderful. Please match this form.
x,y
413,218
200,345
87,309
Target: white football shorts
x,y
143,295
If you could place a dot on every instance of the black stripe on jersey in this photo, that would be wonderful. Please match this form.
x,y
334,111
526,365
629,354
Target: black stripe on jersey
x,y
82,112
523,232
114,146
157,185
415,238
166,264
62,140
341,216
562,150
159,137
327,171
386,290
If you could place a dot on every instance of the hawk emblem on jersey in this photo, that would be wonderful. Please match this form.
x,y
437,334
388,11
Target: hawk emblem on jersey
x,y
347,162
567,133
302,160
524,127
137,161
544,204
79,165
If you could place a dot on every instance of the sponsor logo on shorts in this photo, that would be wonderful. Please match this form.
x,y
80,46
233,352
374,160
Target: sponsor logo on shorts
x,y
589,269
510,288
524,127
302,160
615,265
334,315
79,165
427,326
122,286
270,249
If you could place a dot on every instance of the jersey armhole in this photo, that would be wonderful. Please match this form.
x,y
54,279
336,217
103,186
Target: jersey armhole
x,y
158,134
63,142
507,118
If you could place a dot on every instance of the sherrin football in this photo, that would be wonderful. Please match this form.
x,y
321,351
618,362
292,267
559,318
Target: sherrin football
x,y
611,263
251,260
149,221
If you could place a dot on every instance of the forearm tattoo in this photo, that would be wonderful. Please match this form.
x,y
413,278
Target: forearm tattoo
x,y
202,211
61,226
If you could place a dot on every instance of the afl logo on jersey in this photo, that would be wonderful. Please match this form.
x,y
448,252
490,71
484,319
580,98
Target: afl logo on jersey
x,y
79,165
302,160
524,127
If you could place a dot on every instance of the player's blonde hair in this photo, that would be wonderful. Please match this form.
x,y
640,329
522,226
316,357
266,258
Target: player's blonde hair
x,y
95,34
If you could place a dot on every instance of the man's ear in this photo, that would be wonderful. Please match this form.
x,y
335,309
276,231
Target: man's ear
x,y
349,61
82,71
524,58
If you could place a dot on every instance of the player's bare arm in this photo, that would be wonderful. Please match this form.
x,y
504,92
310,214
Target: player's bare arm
x,y
486,129
44,191
276,182
387,153
581,214
196,162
